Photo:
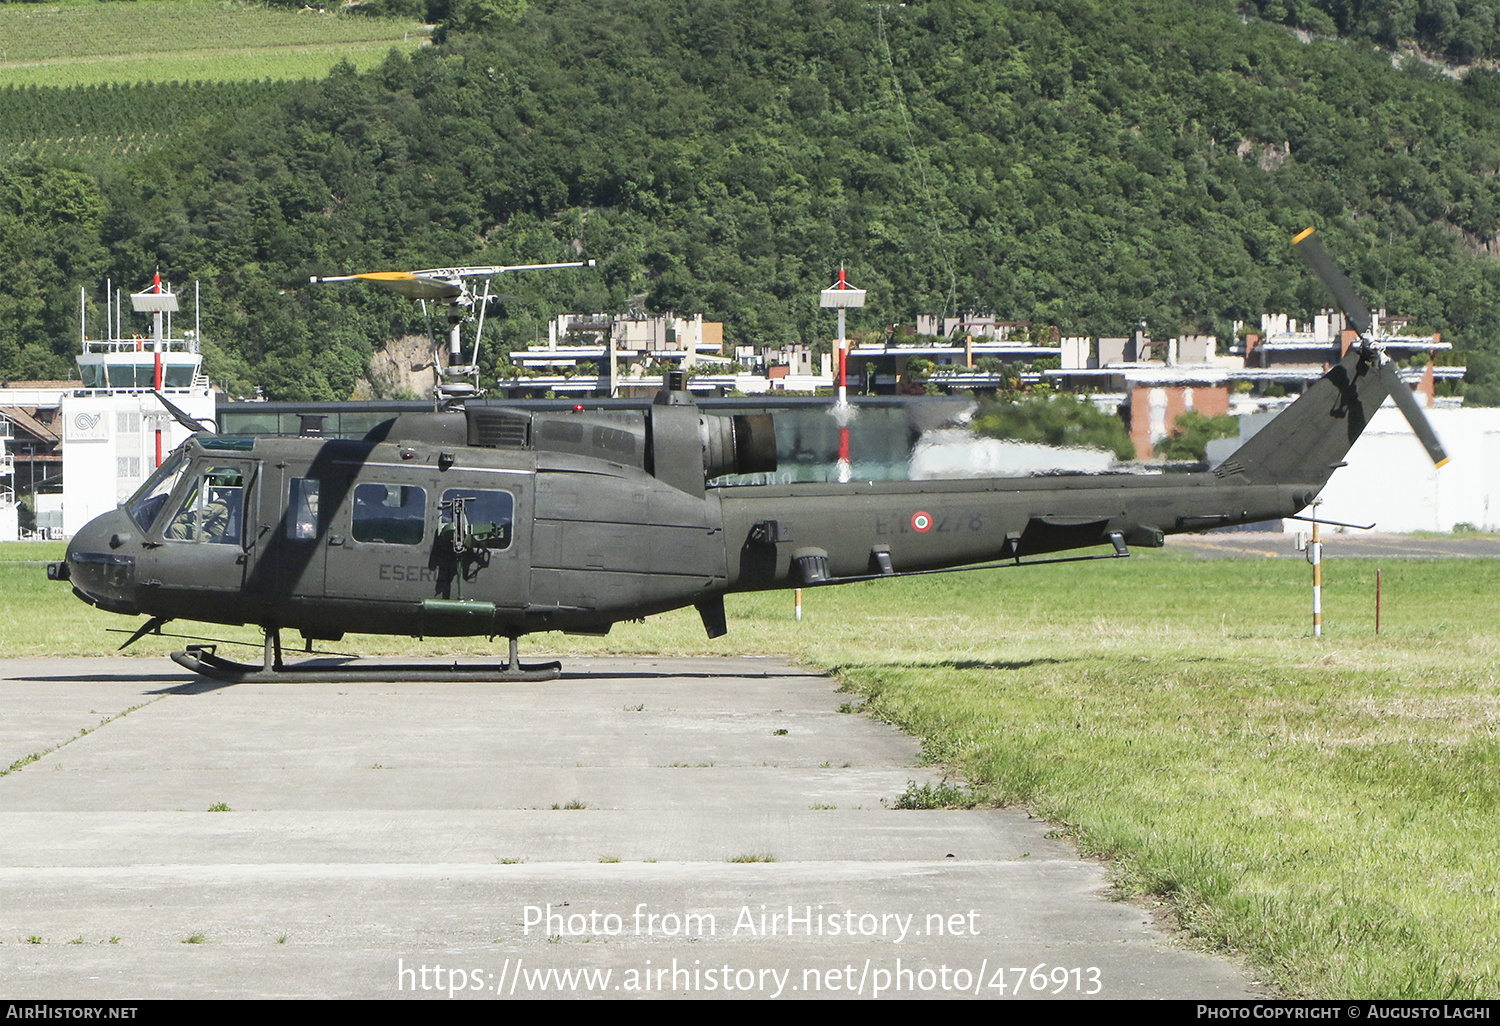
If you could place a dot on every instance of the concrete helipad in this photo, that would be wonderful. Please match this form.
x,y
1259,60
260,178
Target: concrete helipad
x,y
688,828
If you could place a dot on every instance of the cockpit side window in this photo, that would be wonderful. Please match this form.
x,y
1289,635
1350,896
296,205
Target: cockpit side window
x,y
211,510
146,503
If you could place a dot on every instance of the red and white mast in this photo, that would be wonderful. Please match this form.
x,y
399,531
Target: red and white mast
x,y
841,295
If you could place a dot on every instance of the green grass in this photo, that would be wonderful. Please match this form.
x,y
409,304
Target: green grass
x,y
282,63
83,42
931,796
1326,808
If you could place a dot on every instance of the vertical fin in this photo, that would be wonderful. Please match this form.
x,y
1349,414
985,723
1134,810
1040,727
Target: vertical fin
x,y
1307,440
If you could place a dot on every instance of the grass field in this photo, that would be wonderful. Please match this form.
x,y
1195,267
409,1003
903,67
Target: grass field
x,y
83,42
1327,808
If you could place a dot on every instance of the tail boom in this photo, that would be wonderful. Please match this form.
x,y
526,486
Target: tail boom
x,y
784,535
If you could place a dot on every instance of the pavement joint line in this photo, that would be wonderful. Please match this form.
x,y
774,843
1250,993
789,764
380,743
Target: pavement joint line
x,y
27,760
355,871
236,872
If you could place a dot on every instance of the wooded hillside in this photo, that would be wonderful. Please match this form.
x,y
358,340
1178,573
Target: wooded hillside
x,y
1085,164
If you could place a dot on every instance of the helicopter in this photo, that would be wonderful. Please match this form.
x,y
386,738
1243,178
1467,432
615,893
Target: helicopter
x,y
495,521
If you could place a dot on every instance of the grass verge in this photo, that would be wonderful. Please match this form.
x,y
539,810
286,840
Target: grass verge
x,y
1325,807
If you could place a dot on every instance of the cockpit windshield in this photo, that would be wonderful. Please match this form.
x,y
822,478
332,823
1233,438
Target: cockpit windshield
x,y
148,500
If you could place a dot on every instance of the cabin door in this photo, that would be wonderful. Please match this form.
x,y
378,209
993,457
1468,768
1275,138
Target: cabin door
x,y
204,542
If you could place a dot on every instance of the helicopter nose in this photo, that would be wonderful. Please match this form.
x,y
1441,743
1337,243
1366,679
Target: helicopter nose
x,y
100,563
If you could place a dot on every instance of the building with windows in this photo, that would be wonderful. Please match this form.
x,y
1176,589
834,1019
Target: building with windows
x,y
10,521
108,428
619,355
31,414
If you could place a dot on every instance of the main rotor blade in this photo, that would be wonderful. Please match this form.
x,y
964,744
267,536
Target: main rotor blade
x,y
492,269
182,417
1333,279
438,282
411,284
1415,416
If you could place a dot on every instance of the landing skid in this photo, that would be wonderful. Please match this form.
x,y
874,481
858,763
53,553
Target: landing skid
x,y
204,660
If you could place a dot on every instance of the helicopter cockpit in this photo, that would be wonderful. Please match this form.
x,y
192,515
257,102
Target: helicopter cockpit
x,y
210,510
148,500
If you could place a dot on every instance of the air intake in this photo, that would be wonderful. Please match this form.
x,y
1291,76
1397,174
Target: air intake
x,y
498,429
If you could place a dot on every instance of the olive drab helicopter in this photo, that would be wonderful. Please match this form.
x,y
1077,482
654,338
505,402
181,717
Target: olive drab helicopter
x,y
497,521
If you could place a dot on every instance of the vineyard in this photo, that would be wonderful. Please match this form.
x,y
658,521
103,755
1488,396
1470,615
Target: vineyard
x,y
82,42
92,123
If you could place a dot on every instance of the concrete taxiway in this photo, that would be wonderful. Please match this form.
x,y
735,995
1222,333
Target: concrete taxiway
x,y
1350,544
607,834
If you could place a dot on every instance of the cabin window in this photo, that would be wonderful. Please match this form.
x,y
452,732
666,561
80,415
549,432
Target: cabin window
x,y
486,516
395,514
148,500
211,509
302,509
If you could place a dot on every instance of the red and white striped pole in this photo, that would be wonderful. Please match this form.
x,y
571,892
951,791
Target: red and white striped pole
x,y
156,377
841,296
1315,557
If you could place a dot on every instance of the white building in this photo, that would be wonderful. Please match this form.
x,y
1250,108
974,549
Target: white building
x,y
10,524
1390,479
623,350
110,445
114,430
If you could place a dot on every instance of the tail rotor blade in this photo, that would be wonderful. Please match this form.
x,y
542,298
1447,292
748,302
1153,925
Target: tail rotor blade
x,y
1333,279
1415,416
1317,258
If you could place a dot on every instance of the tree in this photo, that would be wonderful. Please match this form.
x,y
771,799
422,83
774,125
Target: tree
x,y
1057,420
1193,431
49,230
